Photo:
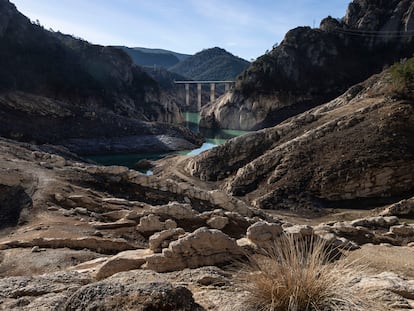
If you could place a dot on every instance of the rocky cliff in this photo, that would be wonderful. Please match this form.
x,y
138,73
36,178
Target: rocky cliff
x,y
356,149
312,66
55,88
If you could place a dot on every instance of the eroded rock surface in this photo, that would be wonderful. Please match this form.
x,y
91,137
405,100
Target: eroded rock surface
x,y
313,65
355,150
203,247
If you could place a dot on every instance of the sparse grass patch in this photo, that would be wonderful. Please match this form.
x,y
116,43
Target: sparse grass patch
x,y
403,79
298,275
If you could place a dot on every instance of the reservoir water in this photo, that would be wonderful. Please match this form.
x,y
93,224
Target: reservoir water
x,y
213,138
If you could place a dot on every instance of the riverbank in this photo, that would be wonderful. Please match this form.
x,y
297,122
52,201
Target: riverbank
x,y
212,138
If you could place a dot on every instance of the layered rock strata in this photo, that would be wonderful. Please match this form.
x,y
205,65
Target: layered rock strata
x,y
314,65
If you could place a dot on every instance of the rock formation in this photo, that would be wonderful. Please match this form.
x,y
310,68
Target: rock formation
x,y
80,235
312,66
356,150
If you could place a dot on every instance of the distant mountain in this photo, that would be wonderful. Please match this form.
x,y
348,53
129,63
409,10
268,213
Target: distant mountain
x,y
211,64
154,57
180,56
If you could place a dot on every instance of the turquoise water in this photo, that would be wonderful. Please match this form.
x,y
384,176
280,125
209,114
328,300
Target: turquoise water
x,y
213,138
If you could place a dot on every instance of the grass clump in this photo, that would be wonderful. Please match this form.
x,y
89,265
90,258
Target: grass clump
x,y
403,79
299,275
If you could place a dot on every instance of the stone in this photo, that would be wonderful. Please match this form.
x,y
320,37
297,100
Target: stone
x,y
403,208
152,223
123,261
344,227
35,249
203,247
175,210
81,211
162,239
263,232
403,230
113,294
299,230
218,222
388,281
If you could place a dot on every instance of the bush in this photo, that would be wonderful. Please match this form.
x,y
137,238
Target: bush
x,y
297,275
403,79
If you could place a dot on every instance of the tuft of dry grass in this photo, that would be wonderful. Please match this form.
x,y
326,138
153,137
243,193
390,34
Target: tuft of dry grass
x,y
299,275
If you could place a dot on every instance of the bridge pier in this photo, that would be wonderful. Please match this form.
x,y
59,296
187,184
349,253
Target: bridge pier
x,y
198,96
212,91
199,90
187,94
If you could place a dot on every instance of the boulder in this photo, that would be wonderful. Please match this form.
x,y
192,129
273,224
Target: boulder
x,y
262,232
203,247
299,230
376,222
390,282
114,294
124,261
162,239
403,230
404,208
175,210
152,223
218,222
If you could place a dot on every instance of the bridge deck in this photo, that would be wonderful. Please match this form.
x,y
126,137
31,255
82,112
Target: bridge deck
x,y
201,82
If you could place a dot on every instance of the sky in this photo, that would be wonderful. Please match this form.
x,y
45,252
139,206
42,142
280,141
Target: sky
x,y
246,28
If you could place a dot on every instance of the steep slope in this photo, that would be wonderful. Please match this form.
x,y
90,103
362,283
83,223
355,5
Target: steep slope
x,y
356,150
54,88
311,66
180,56
152,57
211,64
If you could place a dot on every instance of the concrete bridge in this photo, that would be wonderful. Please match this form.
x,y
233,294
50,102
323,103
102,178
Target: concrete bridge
x,y
199,83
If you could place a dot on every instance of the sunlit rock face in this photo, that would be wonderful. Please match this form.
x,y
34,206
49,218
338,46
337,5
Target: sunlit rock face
x,y
357,148
312,66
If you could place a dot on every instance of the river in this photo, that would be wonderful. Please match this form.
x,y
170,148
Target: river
x,y
213,138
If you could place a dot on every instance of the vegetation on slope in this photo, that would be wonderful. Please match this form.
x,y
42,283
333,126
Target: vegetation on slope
x,y
403,79
211,64
153,59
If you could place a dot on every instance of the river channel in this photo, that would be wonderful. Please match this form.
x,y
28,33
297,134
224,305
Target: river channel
x,y
213,138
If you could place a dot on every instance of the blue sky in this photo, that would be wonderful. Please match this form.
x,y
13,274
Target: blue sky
x,y
246,28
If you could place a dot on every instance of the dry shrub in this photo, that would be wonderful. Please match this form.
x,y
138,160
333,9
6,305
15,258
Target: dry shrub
x,y
299,275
